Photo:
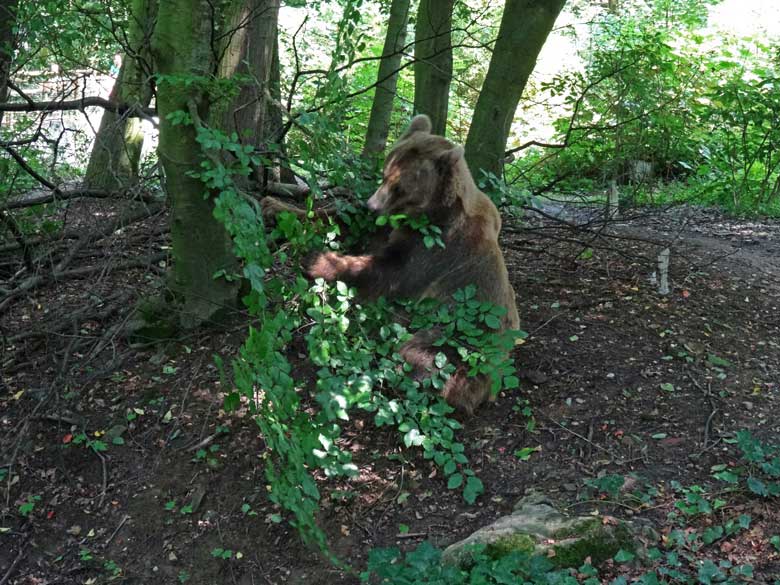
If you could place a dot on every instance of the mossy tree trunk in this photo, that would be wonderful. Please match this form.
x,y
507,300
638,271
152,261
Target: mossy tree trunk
x,y
7,22
524,28
116,153
201,247
433,61
387,79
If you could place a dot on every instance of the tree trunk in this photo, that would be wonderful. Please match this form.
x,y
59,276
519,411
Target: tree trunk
x,y
274,122
524,28
250,55
116,153
200,245
433,61
7,41
387,80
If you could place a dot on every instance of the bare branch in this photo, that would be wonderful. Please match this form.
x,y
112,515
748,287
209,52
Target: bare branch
x,y
129,110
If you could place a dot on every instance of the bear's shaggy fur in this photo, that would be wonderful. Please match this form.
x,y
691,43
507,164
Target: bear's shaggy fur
x,y
426,174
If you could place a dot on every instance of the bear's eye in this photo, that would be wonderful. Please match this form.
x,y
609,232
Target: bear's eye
x,y
397,192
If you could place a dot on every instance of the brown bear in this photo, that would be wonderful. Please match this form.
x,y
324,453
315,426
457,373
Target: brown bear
x,y
427,174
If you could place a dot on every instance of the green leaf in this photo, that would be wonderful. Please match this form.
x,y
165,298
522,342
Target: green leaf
x,y
717,361
455,481
726,476
413,437
525,453
757,486
624,556
492,321
511,382
474,488
712,533
709,572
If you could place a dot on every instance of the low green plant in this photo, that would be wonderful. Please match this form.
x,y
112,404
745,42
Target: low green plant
x,y
112,568
423,566
95,444
226,554
26,508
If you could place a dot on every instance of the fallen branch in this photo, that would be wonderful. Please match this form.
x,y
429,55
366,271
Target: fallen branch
x,y
58,195
287,189
59,272
74,273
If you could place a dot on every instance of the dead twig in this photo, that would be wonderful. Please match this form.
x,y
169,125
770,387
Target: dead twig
x,y
57,419
9,573
713,410
411,535
122,522
615,458
105,478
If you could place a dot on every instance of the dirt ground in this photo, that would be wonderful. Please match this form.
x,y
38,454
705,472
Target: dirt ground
x,y
619,379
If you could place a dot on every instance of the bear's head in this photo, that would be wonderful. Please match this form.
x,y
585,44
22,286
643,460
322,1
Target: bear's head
x,y
423,173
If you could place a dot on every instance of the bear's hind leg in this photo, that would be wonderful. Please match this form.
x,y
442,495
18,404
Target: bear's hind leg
x,y
466,393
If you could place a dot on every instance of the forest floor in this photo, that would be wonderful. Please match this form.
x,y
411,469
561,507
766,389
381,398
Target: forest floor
x,y
626,382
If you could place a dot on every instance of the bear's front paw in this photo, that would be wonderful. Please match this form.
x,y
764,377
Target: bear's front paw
x,y
327,265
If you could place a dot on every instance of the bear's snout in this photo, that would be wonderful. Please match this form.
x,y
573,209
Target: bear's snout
x,y
377,201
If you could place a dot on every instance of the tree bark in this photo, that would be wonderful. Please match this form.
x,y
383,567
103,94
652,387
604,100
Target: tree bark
x,y
116,154
250,55
280,170
200,245
433,61
524,28
7,42
387,80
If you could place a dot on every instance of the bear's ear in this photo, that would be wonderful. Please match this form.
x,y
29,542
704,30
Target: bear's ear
x,y
420,123
453,155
